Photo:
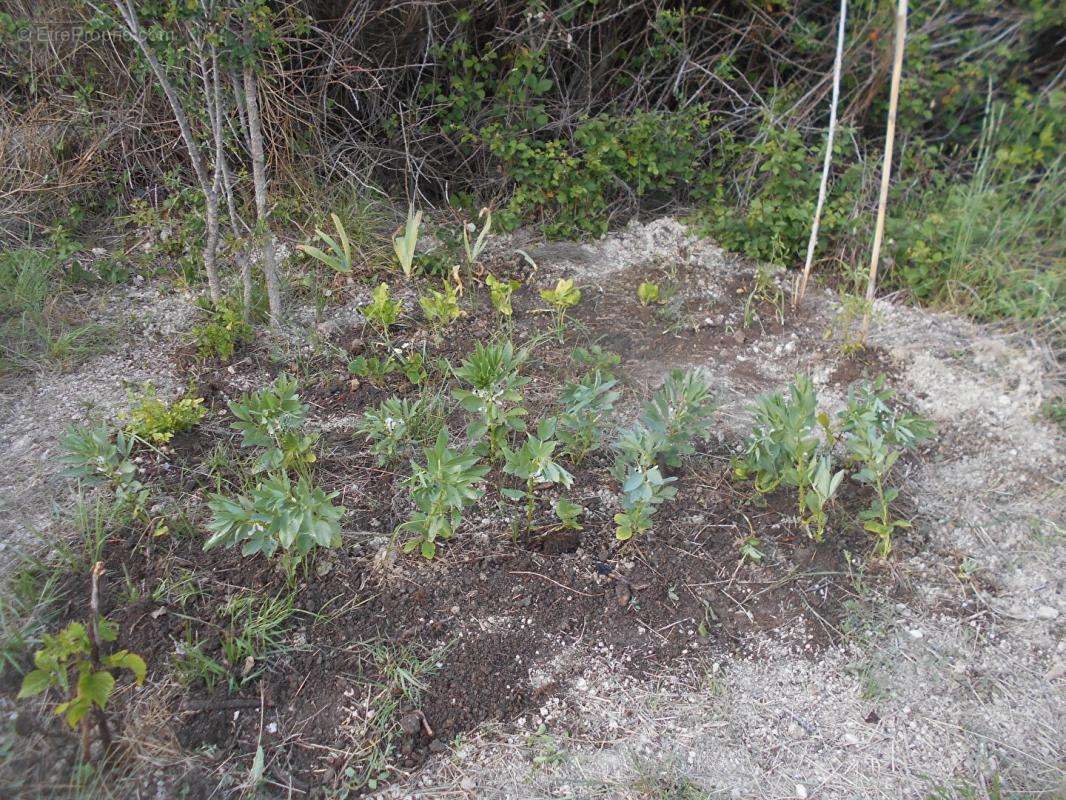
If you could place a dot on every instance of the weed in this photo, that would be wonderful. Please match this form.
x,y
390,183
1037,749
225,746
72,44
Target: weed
x,y
95,458
155,421
441,489
372,368
339,257
404,245
27,607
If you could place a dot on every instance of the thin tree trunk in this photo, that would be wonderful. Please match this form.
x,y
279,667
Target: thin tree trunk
x,y
94,656
259,180
133,26
886,167
813,241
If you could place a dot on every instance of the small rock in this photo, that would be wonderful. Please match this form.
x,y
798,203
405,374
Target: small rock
x,y
1047,612
467,784
622,593
801,791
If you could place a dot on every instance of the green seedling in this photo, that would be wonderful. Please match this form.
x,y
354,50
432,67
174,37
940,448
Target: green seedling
x,y
273,419
339,257
382,311
474,251
72,651
495,393
586,408
404,246
533,463
565,295
397,425
155,421
441,488
648,293
500,294
441,308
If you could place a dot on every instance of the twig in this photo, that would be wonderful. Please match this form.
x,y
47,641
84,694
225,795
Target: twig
x,y
550,580
94,655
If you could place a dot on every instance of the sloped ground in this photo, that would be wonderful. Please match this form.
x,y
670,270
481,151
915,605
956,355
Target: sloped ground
x,y
948,665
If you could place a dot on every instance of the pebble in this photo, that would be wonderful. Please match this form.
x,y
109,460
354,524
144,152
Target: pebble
x,y
801,791
1047,612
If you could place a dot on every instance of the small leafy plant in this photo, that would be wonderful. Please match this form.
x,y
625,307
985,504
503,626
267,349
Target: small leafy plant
x,y
565,295
339,257
273,418
680,412
533,464
397,425
404,245
382,311
276,515
441,308
586,406
473,251
648,293
95,458
500,293
155,421
69,651
495,393
441,488
373,368
222,332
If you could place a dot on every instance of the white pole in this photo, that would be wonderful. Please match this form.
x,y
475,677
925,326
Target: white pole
x,y
813,241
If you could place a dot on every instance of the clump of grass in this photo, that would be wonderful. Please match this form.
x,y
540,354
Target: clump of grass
x,y
40,325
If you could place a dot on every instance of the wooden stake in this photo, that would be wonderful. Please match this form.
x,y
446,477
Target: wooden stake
x,y
94,655
886,168
797,297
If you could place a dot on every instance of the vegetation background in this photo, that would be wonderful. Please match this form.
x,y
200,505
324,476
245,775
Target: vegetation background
x,y
573,116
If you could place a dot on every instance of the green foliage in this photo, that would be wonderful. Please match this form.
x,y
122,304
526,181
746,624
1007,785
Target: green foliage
x,y
495,393
95,458
339,257
648,293
277,513
792,445
473,251
272,419
404,244
222,332
382,311
500,294
68,650
37,323
373,368
585,409
441,308
441,489
568,513
533,463
679,413
153,420
570,184
397,425
765,291
565,295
